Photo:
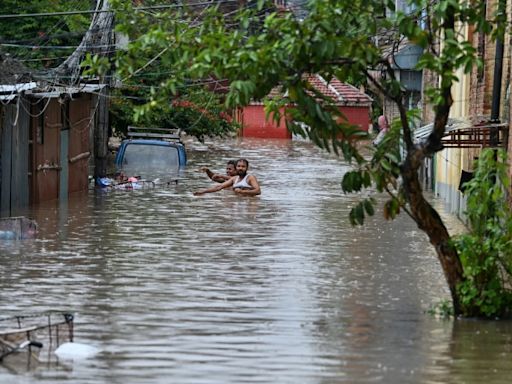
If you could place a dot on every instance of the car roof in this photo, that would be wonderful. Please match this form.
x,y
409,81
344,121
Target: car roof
x,y
152,142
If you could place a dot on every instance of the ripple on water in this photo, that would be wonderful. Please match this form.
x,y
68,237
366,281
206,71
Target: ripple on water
x,y
223,289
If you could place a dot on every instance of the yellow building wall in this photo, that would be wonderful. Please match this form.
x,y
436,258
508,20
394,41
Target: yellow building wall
x,y
451,161
472,96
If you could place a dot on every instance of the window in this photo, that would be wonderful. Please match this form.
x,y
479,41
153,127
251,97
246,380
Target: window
x,y
144,156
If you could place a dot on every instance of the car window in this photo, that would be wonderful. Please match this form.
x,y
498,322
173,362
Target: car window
x,y
150,156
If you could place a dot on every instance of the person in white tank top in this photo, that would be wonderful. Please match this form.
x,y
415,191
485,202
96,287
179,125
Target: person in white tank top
x,y
242,184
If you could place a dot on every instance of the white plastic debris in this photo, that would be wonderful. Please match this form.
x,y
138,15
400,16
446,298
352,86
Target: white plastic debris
x,y
73,351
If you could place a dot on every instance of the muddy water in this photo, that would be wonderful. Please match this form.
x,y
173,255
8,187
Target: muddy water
x,y
225,289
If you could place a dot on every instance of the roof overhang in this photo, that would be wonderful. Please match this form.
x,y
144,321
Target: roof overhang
x,y
59,91
10,91
461,133
15,88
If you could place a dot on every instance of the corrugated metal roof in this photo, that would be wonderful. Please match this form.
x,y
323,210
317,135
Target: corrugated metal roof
x,y
10,91
422,133
462,133
57,91
4,88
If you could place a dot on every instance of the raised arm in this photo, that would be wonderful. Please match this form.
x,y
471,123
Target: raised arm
x,y
206,170
217,177
220,178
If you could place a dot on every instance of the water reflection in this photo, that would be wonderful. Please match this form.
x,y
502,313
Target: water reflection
x,y
226,289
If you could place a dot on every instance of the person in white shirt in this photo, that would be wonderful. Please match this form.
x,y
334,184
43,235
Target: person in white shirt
x,y
383,129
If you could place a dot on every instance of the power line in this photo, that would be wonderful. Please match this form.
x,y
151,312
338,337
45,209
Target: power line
x,y
65,13
51,46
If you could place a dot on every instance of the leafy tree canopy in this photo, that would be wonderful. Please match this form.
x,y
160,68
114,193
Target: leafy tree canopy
x,y
39,41
259,48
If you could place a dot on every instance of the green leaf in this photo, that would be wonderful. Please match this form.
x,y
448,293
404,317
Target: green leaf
x,y
357,215
352,181
368,206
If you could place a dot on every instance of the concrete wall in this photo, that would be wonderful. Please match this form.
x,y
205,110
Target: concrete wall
x,y
254,123
359,116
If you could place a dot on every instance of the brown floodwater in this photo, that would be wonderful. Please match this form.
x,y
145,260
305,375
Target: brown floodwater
x,y
227,289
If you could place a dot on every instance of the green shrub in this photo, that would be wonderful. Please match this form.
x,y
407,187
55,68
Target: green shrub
x,y
486,250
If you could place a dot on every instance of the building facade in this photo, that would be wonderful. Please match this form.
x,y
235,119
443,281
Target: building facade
x,y
481,99
354,105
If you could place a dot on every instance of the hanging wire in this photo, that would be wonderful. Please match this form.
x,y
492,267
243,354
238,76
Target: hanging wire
x,y
66,13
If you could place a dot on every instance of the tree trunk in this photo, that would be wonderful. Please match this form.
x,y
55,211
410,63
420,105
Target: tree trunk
x,y
425,216
429,221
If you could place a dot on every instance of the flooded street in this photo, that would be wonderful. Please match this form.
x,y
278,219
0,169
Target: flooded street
x,y
227,289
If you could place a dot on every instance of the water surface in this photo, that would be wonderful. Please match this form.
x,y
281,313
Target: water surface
x,y
228,289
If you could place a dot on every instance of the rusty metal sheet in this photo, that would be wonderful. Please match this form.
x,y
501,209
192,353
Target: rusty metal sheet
x,y
78,153
45,167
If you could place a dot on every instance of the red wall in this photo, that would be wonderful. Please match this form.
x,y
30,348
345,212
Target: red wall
x,y
254,124
358,116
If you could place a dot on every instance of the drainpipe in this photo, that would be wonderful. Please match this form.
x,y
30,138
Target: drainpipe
x,y
496,91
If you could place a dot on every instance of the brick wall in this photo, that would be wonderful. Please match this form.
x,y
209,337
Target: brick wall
x,y
430,80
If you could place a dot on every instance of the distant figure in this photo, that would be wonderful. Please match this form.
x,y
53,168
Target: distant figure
x,y
383,129
230,172
242,184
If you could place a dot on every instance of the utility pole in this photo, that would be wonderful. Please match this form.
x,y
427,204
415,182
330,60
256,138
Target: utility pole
x,y
97,40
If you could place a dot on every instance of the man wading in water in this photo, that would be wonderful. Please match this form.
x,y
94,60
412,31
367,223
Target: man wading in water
x,y
243,184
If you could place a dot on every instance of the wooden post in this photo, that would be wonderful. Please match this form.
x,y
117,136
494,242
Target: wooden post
x,y
101,135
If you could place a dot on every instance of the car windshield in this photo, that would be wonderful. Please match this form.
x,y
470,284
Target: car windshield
x,y
149,156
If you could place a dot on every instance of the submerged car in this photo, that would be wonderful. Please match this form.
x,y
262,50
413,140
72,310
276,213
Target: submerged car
x,y
151,151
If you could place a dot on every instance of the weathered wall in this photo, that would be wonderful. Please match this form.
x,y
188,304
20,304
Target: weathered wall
x,y
60,148
14,184
254,123
472,101
359,116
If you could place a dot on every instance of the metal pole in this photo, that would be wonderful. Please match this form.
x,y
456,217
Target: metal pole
x,y
496,91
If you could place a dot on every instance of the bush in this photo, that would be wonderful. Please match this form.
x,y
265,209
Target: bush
x,y
486,251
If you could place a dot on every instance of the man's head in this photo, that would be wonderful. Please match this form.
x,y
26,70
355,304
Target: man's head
x,y
242,165
231,168
383,123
